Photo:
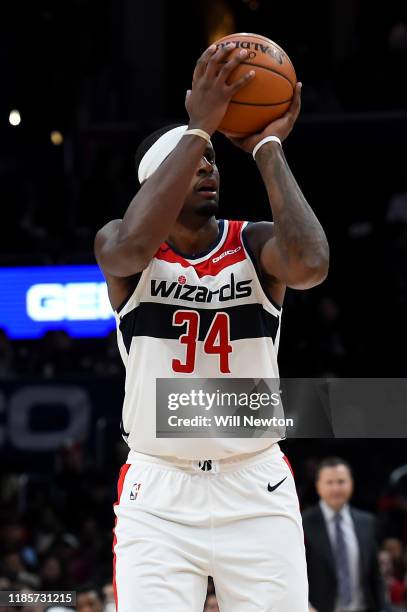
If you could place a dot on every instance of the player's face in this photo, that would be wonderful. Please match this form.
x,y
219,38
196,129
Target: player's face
x,y
203,194
335,486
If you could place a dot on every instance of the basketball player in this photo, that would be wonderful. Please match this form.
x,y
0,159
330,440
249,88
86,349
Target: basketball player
x,y
189,508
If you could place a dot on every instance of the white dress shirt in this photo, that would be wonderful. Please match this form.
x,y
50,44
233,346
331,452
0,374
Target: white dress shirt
x,y
358,599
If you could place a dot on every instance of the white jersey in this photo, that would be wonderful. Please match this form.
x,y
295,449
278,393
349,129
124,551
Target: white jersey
x,y
172,325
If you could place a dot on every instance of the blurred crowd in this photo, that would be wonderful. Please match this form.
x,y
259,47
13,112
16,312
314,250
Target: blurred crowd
x,y
58,356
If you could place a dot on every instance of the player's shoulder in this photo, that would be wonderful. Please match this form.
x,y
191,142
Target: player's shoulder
x,y
256,233
259,227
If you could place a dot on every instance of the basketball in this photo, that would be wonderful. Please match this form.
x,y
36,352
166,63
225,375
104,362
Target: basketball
x,y
268,95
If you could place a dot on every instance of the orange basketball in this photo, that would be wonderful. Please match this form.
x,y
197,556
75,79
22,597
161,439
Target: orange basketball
x,y
268,95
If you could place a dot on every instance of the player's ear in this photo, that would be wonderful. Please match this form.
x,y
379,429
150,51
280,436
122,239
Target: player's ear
x,y
187,95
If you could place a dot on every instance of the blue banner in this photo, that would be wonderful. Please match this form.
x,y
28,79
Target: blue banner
x,y
37,299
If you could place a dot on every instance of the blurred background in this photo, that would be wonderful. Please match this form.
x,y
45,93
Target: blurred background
x,y
82,83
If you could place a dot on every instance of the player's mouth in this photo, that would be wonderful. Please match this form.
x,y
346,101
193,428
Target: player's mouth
x,y
207,188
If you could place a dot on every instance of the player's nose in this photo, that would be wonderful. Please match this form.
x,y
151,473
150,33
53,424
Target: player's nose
x,y
205,166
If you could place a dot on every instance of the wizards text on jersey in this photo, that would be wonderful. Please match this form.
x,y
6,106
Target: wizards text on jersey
x,y
180,290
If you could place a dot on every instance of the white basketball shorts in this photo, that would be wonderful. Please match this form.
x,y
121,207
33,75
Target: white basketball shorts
x,y
237,520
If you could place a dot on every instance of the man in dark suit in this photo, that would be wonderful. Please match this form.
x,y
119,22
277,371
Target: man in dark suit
x,y
343,569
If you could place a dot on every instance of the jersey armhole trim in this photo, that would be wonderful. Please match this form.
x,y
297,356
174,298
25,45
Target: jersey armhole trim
x,y
127,298
256,267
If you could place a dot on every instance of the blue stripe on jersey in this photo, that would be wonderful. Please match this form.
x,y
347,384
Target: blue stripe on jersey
x,y
155,320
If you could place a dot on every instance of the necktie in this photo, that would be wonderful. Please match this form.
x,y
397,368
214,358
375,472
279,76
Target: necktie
x,y
342,564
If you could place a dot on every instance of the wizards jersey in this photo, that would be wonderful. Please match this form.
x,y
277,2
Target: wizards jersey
x,y
201,317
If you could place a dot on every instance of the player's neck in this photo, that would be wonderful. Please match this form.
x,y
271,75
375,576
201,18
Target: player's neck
x,y
195,237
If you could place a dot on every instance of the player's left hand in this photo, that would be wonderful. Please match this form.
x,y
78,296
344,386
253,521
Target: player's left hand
x,y
280,127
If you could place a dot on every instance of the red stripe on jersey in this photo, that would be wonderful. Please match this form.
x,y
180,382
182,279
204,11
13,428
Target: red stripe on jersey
x,y
230,252
122,475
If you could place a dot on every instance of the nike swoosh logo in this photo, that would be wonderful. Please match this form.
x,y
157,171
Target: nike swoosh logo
x,y
274,487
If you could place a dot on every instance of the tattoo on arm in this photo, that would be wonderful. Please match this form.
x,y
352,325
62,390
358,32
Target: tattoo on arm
x,y
299,236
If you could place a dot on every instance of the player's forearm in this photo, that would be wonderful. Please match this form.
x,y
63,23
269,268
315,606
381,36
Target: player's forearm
x,y
155,208
299,236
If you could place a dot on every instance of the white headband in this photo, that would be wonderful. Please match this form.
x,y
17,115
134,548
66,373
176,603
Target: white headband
x,y
157,153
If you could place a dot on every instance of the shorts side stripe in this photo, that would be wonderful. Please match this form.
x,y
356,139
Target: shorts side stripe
x,y
122,475
289,464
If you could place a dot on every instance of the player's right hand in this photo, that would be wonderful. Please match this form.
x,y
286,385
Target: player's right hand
x,y
208,100
280,127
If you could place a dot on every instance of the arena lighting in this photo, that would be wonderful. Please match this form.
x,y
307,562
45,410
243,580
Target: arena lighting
x,y
56,138
219,21
14,117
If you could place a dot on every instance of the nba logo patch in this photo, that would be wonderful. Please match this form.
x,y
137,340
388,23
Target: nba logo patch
x,y
134,490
